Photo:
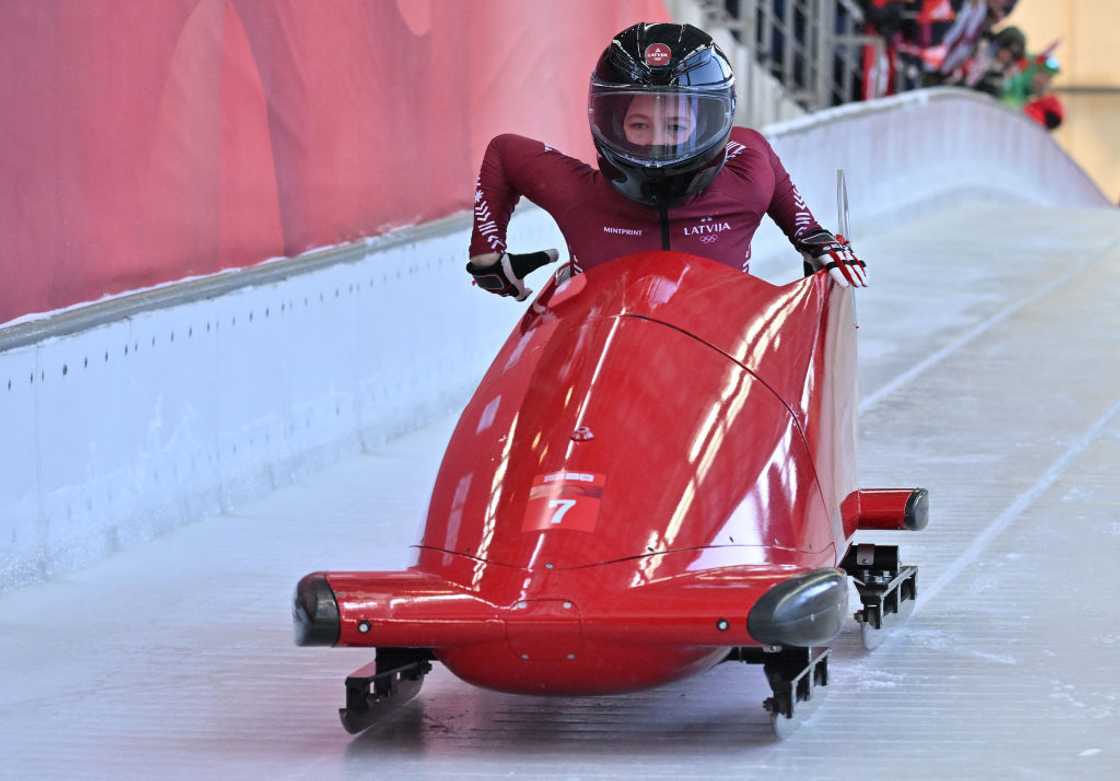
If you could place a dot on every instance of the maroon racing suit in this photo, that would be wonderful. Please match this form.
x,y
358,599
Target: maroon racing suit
x,y
599,223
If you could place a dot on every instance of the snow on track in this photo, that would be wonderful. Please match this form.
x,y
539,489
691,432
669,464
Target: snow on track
x,y
989,349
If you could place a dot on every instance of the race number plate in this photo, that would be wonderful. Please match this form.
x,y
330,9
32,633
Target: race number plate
x,y
564,500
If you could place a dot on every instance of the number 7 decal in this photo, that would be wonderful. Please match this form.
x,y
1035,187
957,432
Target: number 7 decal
x,y
565,502
564,505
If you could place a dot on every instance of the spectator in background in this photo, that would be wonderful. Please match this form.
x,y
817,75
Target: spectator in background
x,y
959,43
996,61
1047,111
1034,80
932,41
949,42
924,25
1031,92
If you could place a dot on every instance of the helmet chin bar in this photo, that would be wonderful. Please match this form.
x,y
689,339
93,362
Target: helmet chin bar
x,y
675,190
663,187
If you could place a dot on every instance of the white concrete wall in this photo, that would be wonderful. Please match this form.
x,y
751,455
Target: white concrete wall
x,y
125,430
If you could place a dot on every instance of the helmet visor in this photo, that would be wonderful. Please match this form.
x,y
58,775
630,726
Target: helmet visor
x,y
658,128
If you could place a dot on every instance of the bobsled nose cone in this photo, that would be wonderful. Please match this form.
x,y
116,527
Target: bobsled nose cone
x,y
315,612
802,611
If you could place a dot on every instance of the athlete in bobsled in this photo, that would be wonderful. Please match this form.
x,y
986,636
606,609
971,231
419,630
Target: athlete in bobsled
x,y
674,173
657,475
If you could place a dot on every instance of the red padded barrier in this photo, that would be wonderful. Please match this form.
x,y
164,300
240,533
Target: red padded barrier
x,y
146,142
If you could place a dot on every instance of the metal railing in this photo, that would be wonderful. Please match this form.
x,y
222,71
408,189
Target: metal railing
x,y
813,48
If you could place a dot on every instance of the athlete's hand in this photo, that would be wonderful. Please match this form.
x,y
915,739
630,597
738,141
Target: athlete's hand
x,y
505,274
823,250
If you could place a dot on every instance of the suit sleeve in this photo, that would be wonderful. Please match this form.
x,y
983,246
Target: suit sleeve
x,y
787,208
515,166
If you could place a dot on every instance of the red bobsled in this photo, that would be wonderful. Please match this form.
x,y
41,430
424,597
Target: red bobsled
x,y
655,475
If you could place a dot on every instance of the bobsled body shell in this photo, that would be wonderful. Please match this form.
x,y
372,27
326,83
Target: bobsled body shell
x,y
675,405
640,466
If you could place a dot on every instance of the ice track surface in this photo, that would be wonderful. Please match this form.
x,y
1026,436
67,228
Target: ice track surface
x,y
990,374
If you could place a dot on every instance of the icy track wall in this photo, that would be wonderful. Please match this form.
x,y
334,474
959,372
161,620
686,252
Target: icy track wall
x,y
912,149
125,419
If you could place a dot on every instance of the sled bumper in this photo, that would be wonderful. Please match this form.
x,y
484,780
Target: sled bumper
x,y
315,612
802,611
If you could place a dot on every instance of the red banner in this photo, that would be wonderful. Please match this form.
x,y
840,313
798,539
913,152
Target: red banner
x,y
146,142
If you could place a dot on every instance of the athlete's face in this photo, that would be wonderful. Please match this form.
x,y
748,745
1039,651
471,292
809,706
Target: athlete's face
x,y
659,120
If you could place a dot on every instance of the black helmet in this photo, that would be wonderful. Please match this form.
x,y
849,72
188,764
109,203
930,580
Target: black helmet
x,y
661,105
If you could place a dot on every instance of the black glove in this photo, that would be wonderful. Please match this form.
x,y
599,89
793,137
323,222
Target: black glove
x,y
823,250
506,275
